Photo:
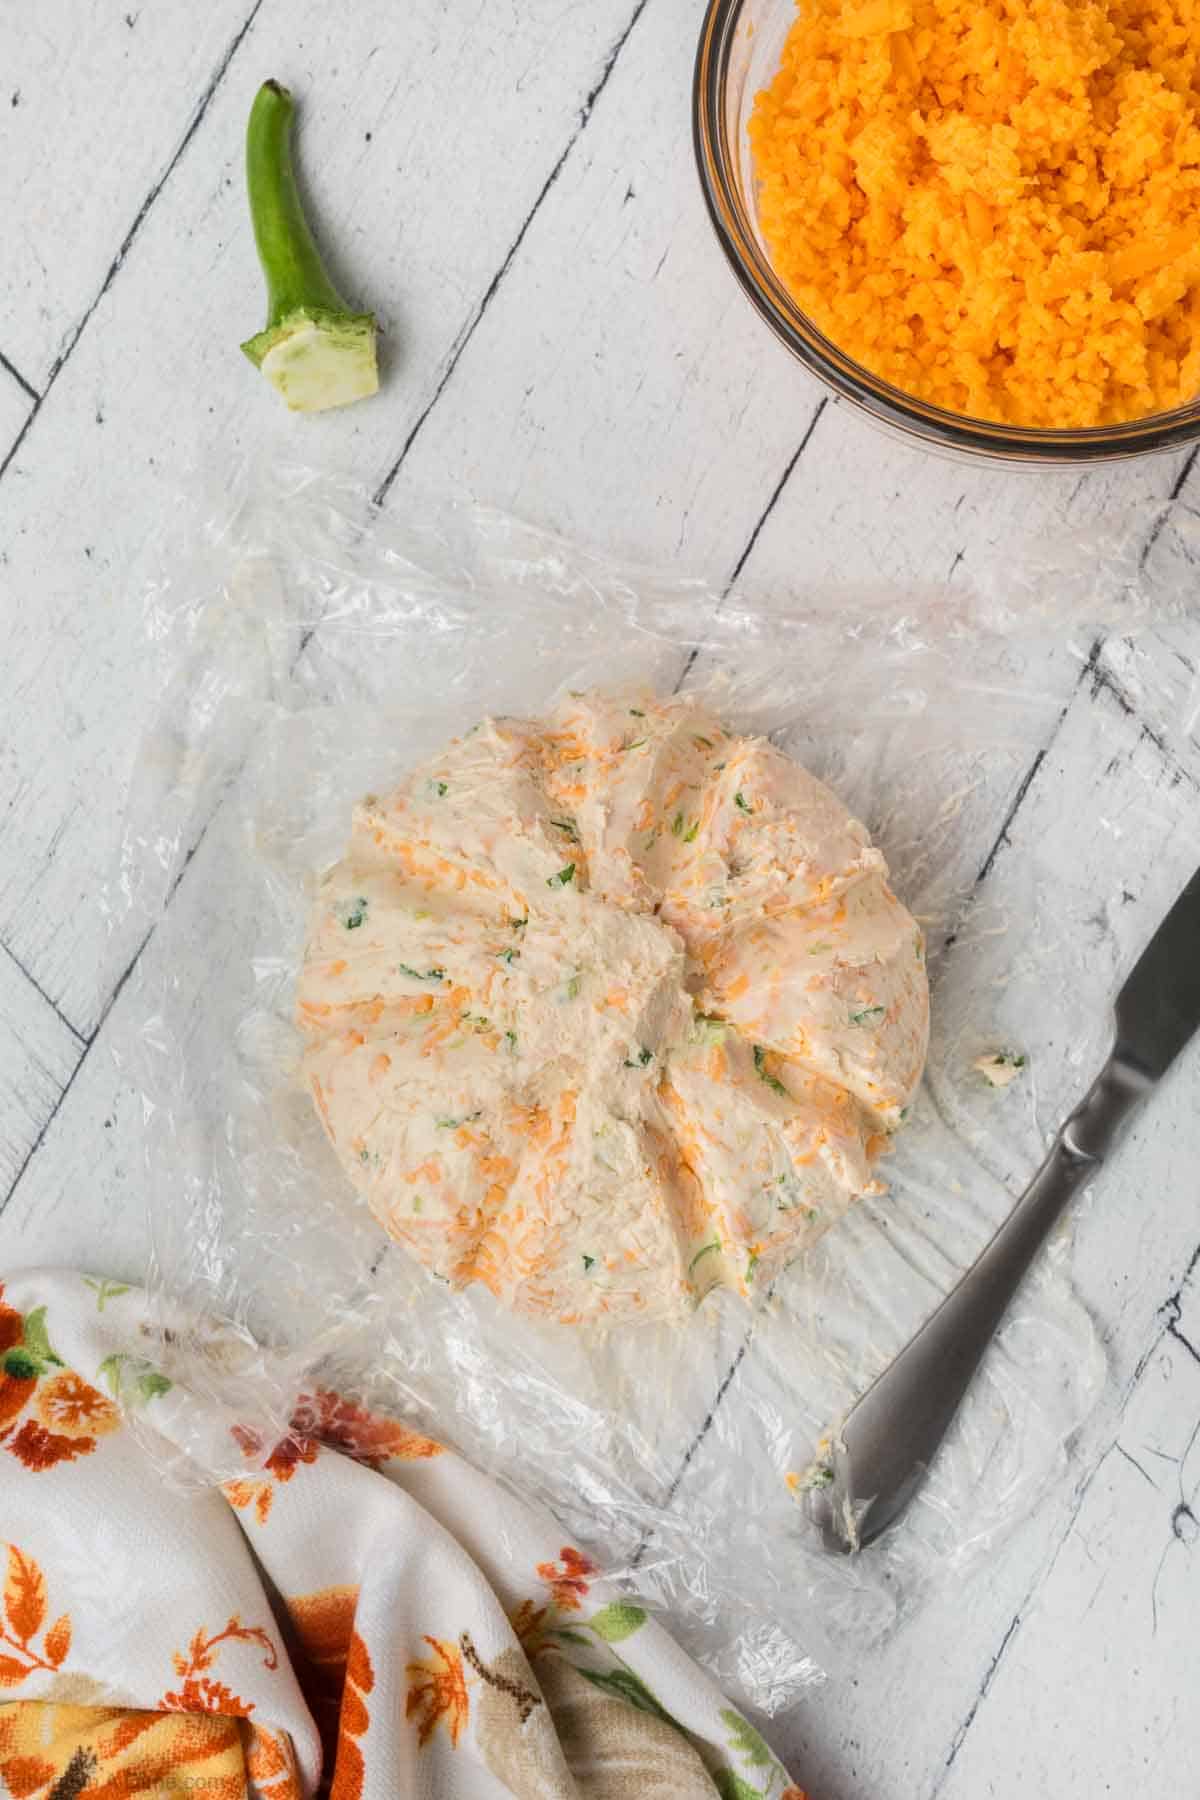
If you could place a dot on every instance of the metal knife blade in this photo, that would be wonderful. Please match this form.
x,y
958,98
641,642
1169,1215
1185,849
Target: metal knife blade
x,y
884,1446
1158,1009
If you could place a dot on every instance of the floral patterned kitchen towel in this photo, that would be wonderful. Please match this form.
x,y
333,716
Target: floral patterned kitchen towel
x,y
361,1614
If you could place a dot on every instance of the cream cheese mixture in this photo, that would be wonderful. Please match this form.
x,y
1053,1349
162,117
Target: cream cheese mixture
x,y
609,1009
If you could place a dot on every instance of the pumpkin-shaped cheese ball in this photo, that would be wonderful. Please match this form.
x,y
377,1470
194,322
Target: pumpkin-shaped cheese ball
x,y
609,1009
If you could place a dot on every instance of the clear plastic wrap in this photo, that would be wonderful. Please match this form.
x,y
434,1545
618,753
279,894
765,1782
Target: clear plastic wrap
x,y
312,649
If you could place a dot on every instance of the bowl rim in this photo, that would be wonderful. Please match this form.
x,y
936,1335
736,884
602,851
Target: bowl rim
x,y
716,165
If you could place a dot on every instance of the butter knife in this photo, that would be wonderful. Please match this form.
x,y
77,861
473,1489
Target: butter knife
x,y
883,1449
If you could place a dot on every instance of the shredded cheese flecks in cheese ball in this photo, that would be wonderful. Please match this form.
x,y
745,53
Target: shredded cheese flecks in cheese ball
x,y
994,206
609,1009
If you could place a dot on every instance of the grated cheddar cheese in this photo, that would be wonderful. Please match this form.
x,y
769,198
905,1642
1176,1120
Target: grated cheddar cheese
x,y
994,206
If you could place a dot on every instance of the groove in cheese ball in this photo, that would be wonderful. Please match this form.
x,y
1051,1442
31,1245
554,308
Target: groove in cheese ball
x,y
609,1009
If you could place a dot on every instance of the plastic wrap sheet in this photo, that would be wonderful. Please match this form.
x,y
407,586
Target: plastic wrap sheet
x,y
312,649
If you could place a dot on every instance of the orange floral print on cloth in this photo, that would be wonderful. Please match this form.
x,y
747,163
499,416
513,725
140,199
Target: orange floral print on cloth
x,y
437,1693
388,1620
22,1620
567,1578
271,1763
63,1750
569,1584
68,1413
336,1676
323,1419
198,1691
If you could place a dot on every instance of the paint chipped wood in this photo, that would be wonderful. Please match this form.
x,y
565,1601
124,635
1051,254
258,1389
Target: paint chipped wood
x,y
519,205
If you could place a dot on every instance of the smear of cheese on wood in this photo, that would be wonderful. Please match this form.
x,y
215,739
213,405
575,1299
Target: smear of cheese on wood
x,y
609,1009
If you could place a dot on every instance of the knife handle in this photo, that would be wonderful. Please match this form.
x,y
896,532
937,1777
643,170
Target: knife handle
x,y
890,1437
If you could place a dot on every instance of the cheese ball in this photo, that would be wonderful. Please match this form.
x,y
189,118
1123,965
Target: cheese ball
x,y
609,1009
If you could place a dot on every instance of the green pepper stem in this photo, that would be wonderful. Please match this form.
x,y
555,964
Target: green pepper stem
x,y
296,277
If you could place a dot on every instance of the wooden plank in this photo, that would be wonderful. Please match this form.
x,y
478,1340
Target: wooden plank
x,y
15,403
619,388
626,483
1121,1591
38,1054
95,102
81,1200
864,511
1106,815
78,690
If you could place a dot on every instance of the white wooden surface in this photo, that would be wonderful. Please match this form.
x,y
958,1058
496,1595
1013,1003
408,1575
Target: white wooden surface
x,y
514,194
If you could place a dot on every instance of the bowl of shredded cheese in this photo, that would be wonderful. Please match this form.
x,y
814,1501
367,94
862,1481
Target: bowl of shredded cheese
x,y
978,222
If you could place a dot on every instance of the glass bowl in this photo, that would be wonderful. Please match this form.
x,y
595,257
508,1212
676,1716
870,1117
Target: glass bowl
x,y
741,44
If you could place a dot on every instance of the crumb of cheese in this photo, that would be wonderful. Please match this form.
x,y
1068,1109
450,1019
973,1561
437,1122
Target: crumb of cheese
x,y
994,206
999,1067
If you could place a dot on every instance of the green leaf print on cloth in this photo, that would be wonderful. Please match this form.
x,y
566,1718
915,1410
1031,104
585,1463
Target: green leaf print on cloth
x,y
617,1621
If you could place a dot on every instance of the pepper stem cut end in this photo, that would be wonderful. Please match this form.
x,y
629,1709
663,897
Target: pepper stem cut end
x,y
314,350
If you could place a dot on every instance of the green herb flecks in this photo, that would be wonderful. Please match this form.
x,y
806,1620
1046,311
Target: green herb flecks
x,y
677,825
563,879
787,1200
567,827
741,802
637,712
639,1061
518,924
571,987
508,956
707,1030
476,1021
453,1124
692,832
637,744
867,1016
703,1251
589,1263
416,974
353,912
510,1038
764,1074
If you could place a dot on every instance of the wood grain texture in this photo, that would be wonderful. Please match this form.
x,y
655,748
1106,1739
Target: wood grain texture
x,y
512,190
81,1200
907,1715
38,1055
932,521
95,103
77,685
619,387
1121,1589
16,403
